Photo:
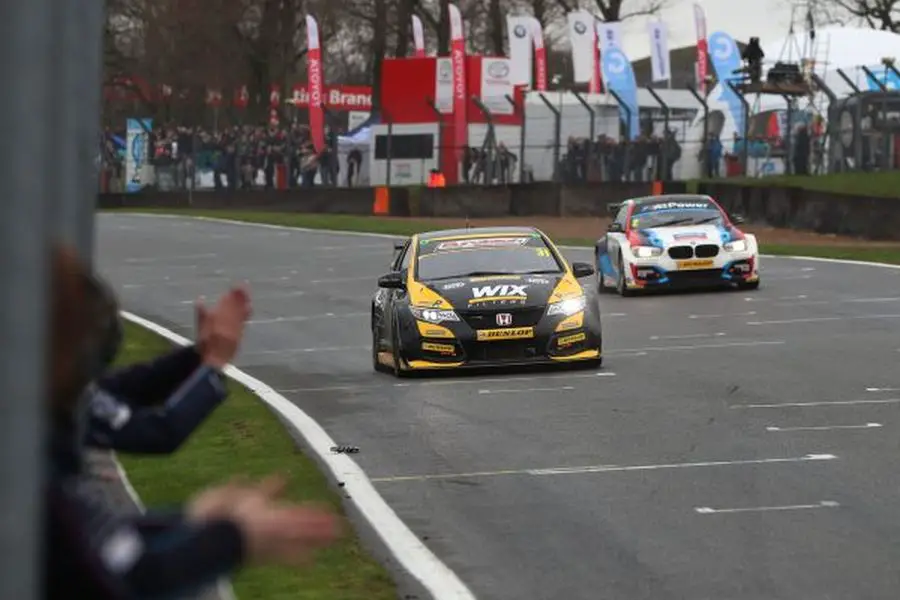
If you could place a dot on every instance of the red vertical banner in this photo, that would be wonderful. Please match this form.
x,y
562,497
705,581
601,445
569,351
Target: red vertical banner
x,y
540,56
596,84
274,95
314,83
241,97
460,92
418,37
702,47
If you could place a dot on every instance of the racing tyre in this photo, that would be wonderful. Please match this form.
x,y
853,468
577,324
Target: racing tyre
x,y
621,288
376,349
753,285
601,287
395,352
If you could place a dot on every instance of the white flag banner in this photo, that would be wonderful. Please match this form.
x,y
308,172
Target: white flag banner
x,y
581,36
660,65
418,37
519,32
609,35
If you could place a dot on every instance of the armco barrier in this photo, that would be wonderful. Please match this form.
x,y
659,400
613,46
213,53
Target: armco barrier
x,y
809,210
787,207
353,201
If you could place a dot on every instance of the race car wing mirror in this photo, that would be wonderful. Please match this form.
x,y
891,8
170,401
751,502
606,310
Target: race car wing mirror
x,y
613,207
393,281
737,219
580,269
615,227
398,246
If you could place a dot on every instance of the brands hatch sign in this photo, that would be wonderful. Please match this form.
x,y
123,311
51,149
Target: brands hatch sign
x,y
337,97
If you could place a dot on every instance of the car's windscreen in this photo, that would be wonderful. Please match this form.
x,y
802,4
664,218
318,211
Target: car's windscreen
x,y
496,255
676,213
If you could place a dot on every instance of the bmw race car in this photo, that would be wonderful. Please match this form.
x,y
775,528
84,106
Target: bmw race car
x,y
672,241
482,297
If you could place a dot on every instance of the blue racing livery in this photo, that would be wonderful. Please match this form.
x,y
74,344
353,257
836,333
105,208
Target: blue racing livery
x,y
674,240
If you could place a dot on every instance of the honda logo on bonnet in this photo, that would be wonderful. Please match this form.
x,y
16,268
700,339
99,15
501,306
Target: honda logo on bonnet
x,y
504,319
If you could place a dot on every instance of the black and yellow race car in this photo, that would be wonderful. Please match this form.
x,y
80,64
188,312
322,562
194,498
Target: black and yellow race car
x,y
482,297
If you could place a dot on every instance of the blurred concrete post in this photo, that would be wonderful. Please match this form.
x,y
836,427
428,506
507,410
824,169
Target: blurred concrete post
x,y
26,65
51,55
78,43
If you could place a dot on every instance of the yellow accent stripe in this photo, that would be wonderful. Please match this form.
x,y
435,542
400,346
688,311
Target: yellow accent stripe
x,y
496,299
587,354
424,364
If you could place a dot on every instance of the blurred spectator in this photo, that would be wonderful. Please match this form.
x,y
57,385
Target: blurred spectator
x,y
711,156
802,148
152,408
354,164
94,553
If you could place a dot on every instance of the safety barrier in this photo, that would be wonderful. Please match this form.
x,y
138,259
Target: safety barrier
x,y
794,208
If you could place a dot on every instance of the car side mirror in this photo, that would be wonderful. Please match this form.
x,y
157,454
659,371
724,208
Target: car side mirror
x,y
398,246
737,219
615,227
613,207
580,269
391,281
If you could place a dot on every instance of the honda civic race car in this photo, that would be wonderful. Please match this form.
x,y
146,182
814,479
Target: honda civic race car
x,y
482,297
673,241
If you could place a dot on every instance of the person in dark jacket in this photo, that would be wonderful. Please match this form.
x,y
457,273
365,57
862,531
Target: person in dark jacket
x,y
103,555
152,408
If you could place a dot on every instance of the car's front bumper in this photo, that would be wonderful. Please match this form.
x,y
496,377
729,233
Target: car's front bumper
x,y
548,344
656,273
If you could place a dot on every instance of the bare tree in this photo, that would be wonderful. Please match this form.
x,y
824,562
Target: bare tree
x,y
616,10
877,14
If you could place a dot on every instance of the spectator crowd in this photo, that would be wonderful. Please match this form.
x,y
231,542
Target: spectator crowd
x,y
238,155
93,551
647,158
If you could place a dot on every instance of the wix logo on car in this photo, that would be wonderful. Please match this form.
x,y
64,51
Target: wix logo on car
x,y
499,291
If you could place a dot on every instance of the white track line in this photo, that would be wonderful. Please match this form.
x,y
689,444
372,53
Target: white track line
x,y
606,469
824,427
745,314
529,390
823,319
824,403
406,548
689,336
706,510
873,389
632,351
326,232
306,318
453,382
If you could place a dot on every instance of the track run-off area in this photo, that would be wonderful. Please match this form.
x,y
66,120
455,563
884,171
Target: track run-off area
x,y
735,445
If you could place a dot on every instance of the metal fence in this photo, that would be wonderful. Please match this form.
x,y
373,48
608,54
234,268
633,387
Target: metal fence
x,y
569,148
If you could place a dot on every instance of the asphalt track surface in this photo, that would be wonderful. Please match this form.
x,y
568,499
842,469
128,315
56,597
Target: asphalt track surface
x,y
735,445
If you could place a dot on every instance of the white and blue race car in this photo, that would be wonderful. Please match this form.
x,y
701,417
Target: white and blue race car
x,y
677,240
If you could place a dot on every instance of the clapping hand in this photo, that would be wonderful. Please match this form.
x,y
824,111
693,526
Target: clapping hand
x,y
221,329
274,531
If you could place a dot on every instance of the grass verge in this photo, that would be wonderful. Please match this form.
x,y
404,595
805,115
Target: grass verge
x,y
244,437
401,227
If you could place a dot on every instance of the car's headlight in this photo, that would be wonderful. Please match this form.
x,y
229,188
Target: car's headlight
x,y
736,246
433,315
646,251
567,307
